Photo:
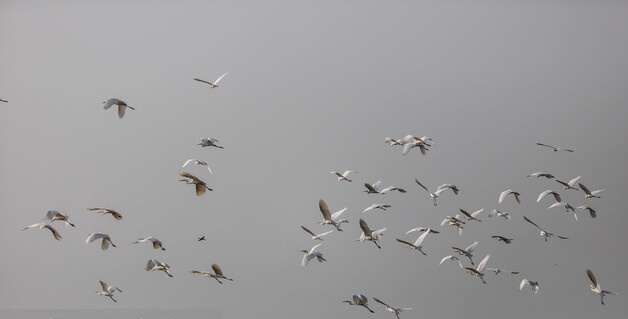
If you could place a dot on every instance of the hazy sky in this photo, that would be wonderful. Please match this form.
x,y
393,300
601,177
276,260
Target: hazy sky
x,y
313,87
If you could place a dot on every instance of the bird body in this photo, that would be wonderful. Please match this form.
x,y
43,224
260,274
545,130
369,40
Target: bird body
x,y
534,285
344,176
596,288
556,149
370,235
152,240
121,105
507,192
154,264
570,184
197,162
107,290
106,240
209,141
547,192
105,211
53,215
311,254
359,300
472,216
479,271
467,252
541,174
502,238
55,233
199,185
331,219
216,275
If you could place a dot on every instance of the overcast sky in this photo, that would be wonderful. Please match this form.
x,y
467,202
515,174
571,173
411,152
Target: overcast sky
x,y
313,87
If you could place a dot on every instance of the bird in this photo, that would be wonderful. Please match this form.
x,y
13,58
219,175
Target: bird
x,y
370,235
214,84
498,213
315,236
201,238
107,290
394,310
154,264
374,188
343,176
53,215
311,254
472,216
547,192
121,105
588,193
502,238
422,229
434,195
454,222
154,241
595,287
411,142
216,275
479,271
5,101
498,271
545,234
393,141
106,240
209,141
444,187
567,208
556,149
467,252
451,257
570,184
534,285
541,174
376,206
105,211
589,209
417,244
200,186
331,219
197,162
55,234
508,192
359,300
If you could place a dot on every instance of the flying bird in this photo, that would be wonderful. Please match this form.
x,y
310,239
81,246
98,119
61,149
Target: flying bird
x,y
422,229
53,215
216,275
394,310
472,216
359,300
55,234
154,241
467,252
376,206
200,186
570,184
547,192
534,285
105,211
541,174
588,193
411,142
331,219
209,141
451,257
589,209
498,271
154,264
417,244
556,149
121,105
212,85
595,287
545,234
374,188
311,254
454,222
5,101
315,236
435,194
498,213
343,176
567,208
201,238
107,290
370,235
197,162
479,271
509,192
106,240
502,238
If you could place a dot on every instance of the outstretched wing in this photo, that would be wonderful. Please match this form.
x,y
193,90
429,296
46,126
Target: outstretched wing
x,y
324,209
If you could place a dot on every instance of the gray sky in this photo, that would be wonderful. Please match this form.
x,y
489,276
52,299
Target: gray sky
x,y
313,87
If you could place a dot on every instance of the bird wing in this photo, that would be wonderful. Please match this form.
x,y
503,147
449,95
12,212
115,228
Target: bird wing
x,y
477,212
55,233
523,283
217,80
531,222
466,213
370,208
381,302
541,144
195,79
517,197
423,186
324,209
190,176
421,238
365,228
323,234
121,110
94,236
471,247
593,279
110,102
306,259
337,214
446,258
308,231
217,270
406,148
504,194
150,265
482,264
104,286
370,188
105,243
51,214
404,242
574,180
584,189
188,162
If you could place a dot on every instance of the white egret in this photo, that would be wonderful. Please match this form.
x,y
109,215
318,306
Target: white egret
x,y
479,271
370,235
107,290
414,142
498,271
121,105
315,236
417,244
55,234
154,264
567,208
198,184
498,213
311,254
595,287
209,141
545,234
454,222
376,206
467,252
502,238
507,192
534,285
216,275
374,188
589,209
570,184
541,174
106,240
432,195
154,241
394,310
556,149
472,216
105,211
359,300
422,229
343,176
451,257
392,141
197,162
212,85
547,192
53,215
331,219
588,193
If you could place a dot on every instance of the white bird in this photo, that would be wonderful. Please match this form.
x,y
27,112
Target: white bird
x,y
541,174
567,208
315,236
343,176
311,254
53,215
370,235
154,264
374,188
394,310
154,241
454,222
570,184
451,257
435,194
376,206
588,193
121,105
197,162
556,149
502,238
534,285
422,229
595,287
216,275
467,252
331,219
209,141
55,234
498,271
545,234
508,192
105,211
589,209
200,186
472,216
107,290
547,192
479,271
106,240
417,244
359,300
410,142
214,84
498,213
